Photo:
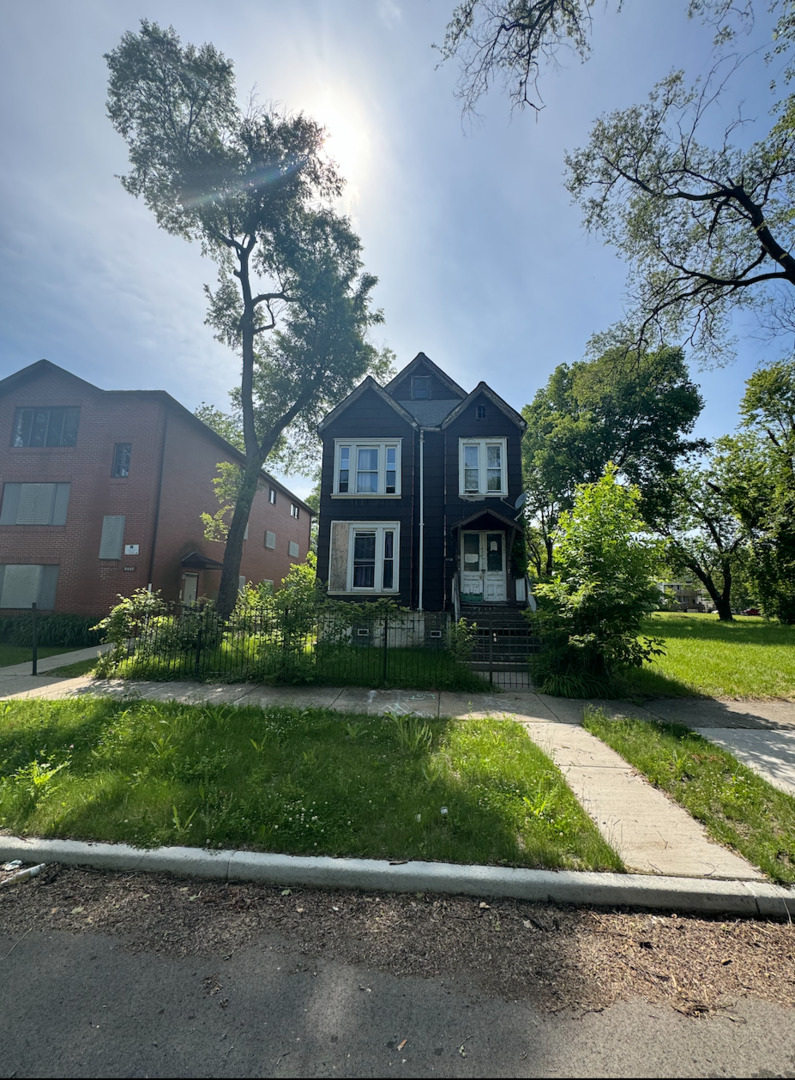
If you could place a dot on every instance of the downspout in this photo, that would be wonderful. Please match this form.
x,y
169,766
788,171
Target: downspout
x,y
422,517
156,522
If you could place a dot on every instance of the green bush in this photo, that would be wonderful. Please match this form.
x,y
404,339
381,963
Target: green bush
x,y
589,614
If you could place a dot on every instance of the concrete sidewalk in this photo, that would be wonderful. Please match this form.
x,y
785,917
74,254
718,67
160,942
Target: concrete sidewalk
x,y
653,835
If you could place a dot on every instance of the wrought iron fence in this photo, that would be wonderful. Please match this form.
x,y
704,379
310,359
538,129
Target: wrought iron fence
x,y
342,644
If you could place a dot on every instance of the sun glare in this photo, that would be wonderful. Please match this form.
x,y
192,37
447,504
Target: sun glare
x,y
347,142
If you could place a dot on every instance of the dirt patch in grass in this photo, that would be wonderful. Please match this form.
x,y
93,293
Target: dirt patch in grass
x,y
556,957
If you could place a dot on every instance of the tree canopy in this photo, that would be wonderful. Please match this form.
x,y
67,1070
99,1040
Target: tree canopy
x,y
705,224
705,229
590,612
632,410
256,190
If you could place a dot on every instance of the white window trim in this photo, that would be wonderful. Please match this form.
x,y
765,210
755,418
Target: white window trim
x,y
379,527
482,493
369,444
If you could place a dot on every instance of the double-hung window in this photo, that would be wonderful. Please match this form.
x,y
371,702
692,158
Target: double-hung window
x,y
367,468
482,467
372,558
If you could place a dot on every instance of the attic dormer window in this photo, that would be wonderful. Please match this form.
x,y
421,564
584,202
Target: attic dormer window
x,y
421,387
480,412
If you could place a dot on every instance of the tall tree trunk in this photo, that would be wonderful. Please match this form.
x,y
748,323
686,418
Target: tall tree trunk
x,y
230,575
720,600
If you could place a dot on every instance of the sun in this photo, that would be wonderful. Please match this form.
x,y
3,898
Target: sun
x,y
347,141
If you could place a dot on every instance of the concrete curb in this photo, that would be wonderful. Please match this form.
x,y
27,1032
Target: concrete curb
x,y
697,895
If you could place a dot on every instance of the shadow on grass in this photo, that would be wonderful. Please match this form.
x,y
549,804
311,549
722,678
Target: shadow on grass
x,y
299,782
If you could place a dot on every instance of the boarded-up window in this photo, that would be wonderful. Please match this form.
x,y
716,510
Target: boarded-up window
x,y
112,536
23,585
293,547
270,540
35,504
241,583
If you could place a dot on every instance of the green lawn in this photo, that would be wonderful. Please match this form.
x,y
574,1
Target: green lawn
x,y
289,780
747,658
738,808
23,654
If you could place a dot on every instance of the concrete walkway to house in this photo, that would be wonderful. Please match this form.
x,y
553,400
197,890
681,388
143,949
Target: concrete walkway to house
x,y
652,834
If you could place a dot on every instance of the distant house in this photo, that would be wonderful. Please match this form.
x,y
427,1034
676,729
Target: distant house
x,y
101,493
420,488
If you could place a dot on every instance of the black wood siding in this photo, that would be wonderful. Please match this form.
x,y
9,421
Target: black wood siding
x,y
370,417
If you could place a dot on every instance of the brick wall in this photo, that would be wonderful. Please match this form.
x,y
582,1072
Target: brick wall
x,y
160,433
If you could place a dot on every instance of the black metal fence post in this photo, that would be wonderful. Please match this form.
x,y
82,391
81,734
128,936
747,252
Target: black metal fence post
x,y
34,635
386,644
199,641
491,651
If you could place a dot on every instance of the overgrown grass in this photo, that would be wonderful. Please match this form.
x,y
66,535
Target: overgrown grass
x,y
416,669
737,807
289,780
748,658
23,654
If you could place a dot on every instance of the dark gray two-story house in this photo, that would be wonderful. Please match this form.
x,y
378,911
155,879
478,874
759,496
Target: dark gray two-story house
x,y
420,494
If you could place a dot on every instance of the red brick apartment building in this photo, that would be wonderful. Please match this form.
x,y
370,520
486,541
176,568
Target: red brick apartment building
x,y
101,493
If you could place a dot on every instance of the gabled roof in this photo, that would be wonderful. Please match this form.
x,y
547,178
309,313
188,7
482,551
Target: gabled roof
x,y
368,384
486,518
495,399
45,367
421,360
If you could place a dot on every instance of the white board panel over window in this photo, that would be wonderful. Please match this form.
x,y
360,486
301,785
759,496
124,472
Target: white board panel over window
x,y
34,504
110,545
270,540
20,586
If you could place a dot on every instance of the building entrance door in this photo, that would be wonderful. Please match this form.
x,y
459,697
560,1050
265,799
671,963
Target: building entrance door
x,y
190,589
483,568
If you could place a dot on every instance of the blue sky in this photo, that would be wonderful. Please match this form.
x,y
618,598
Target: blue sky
x,y
482,260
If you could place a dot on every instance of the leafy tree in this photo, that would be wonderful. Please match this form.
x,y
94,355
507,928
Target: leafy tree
x,y
761,483
706,536
590,613
254,189
512,41
633,411
705,229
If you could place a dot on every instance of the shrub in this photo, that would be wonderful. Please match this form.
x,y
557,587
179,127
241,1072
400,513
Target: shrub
x,y
589,614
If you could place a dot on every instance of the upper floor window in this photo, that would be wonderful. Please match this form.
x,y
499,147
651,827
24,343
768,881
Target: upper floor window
x,y
55,426
121,459
367,468
482,467
293,510
34,504
421,387
480,412
272,496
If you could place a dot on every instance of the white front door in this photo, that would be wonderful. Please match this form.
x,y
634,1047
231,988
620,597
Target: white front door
x,y
483,567
190,589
